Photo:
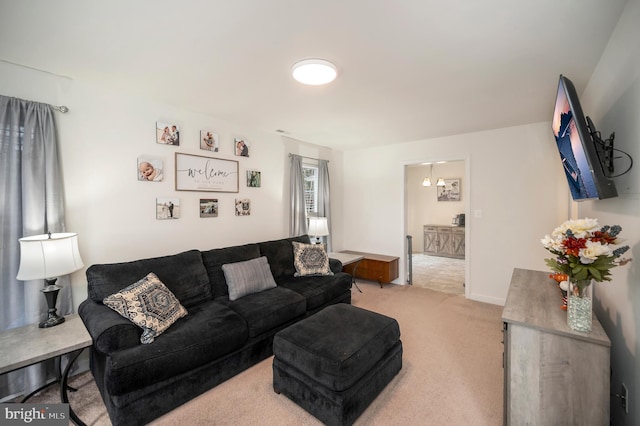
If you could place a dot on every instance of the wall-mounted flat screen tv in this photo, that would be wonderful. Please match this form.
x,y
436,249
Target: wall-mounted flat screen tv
x,y
578,151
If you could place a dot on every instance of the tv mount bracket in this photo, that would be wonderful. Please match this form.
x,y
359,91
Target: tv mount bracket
x,y
604,148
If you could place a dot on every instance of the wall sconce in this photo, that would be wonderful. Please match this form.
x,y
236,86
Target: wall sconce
x,y
440,182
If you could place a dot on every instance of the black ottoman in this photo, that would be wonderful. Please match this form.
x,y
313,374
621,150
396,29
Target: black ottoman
x,y
334,363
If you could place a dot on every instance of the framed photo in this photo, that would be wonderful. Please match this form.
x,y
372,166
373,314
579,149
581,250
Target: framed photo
x,y
450,191
167,133
253,178
209,140
200,173
243,207
150,169
167,208
208,207
240,147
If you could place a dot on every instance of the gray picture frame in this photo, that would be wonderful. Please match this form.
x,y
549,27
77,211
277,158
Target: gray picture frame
x,y
450,191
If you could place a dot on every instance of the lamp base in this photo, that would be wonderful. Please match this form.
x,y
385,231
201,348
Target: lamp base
x,y
51,321
51,294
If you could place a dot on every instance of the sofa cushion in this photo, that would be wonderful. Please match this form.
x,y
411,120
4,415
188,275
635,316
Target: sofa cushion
x,y
184,274
214,259
318,290
268,309
280,255
210,331
149,304
248,277
310,259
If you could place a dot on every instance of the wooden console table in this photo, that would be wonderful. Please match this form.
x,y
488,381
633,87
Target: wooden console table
x,y
374,267
552,374
444,240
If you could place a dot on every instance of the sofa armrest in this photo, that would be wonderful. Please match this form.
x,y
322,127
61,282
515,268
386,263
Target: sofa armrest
x,y
335,265
109,330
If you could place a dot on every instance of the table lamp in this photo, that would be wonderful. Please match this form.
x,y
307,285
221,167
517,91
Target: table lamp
x,y
318,228
47,257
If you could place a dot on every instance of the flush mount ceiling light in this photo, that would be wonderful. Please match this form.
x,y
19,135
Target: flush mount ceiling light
x,y
314,71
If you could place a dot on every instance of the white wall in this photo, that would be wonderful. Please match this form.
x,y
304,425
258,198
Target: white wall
x,y
516,189
612,100
100,139
423,207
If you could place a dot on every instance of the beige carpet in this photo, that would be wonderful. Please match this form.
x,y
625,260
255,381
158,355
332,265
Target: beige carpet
x,y
451,374
438,273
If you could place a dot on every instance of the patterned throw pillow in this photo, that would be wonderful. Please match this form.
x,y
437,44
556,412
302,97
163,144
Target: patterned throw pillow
x,y
149,304
248,277
310,259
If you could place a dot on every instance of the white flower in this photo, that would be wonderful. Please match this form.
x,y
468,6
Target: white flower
x,y
552,244
590,253
581,228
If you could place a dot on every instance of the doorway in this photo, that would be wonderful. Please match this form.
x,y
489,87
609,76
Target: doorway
x,y
439,259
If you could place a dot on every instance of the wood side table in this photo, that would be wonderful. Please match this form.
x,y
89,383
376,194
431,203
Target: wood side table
x,y
374,267
28,345
350,260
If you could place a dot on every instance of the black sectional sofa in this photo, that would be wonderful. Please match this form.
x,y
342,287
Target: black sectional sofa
x,y
216,340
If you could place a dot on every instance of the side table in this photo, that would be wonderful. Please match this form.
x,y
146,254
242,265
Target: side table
x,y
375,267
348,259
28,345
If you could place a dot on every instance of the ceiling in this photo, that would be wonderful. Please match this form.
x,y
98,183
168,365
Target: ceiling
x,y
407,69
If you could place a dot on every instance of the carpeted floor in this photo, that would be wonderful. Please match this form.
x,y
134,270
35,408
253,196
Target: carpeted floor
x,y
451,375
438,273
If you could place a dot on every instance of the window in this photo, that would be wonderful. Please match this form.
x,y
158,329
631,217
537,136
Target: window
x,y
310,174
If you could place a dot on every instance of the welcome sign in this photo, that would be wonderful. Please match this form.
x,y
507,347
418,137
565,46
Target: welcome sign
x,y
200,173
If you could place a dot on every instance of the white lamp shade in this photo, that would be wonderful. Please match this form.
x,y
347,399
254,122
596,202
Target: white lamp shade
x,y
314,72
440,182
48,256
426,182
318,227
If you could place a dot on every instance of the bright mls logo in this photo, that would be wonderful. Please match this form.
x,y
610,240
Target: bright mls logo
x,y
34,414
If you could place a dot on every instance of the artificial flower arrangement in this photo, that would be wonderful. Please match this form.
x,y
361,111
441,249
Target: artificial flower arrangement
x,y
584,250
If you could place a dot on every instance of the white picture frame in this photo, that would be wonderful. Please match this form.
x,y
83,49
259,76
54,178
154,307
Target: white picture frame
x,y
205,174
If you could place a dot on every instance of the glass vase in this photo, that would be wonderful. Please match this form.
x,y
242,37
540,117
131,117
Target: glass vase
x,y
579,305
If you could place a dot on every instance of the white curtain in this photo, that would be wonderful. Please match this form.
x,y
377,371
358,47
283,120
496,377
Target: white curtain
x,y
32,204
324,204
297,213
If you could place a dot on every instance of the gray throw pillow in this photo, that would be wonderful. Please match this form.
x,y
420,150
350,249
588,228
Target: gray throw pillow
x,y
248,277
149,304
310,259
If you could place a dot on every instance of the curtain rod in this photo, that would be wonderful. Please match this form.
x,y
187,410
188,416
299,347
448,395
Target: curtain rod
x,y
309,158
60,108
